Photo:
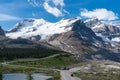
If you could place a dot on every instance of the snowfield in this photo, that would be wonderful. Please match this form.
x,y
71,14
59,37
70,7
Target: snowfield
x,y
34,27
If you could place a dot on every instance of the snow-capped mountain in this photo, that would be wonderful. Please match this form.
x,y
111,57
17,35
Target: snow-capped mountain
x,y
109,31
67,34
79,39
31,28
40,29
71,35
115,23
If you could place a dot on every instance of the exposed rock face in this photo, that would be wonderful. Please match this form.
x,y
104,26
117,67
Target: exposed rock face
x,y
79,40
2,33
70,35
107,31
84,32
92,22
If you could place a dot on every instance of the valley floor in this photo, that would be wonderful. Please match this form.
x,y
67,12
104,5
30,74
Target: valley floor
x,y
93,70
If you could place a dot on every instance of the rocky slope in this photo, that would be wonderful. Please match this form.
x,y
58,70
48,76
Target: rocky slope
x,y
79,39
109,32
71,35
67,34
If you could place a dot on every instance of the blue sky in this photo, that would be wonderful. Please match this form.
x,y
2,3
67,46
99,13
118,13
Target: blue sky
x,y
13,11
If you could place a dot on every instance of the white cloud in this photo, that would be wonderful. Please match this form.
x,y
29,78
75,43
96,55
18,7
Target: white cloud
x,y
65,11
5,17
53,10
54,7
102,14
58,2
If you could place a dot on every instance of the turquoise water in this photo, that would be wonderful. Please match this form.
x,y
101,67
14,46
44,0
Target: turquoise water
x,y
22,76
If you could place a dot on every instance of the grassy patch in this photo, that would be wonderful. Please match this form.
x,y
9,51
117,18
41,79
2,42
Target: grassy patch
x,y
10,69
57,62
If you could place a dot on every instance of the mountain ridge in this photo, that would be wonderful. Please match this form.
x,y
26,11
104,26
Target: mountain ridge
x,y
70,35
36,28
104,29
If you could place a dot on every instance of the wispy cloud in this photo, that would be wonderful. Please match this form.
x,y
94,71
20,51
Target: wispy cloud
x,y
52,10
54,7
102,14
58,2
5,17
34,3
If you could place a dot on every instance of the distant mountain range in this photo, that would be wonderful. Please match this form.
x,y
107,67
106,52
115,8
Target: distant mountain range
x,y
70,35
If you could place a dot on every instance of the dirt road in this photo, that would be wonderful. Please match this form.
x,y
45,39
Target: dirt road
x,y
66,75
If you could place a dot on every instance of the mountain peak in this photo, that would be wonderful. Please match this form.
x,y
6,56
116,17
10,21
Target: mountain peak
x,y
32,20
28,22
69,19
92,20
